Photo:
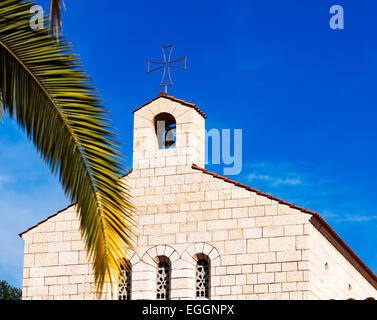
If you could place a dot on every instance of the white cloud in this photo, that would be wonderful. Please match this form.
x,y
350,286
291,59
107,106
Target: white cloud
x,y
336,217
274,175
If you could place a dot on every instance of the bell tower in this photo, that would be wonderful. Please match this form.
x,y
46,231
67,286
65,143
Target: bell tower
x,y
168,133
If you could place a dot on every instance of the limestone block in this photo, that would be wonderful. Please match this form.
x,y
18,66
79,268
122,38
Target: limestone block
x,y
59,246
63,226
282,244
181,238
199,236
245,222
295,276
240,279
274,287
55,290
77,269
240,193
239,212
71,235
264,221
271,210
46,227
70,289
302,242
77,245
222,290
252,233
235,246
228,280
164,171
260,288
38,248
46,259
236,234
288,256
36,291
247,259
280,276
259,268
63,280
183,293
251,278
289,266
222,224
37,282
161,239
212,214
51,281
219,235
294,230
273,267
285,219
257,245
246,202
67,258
275,231
170,228
266,257
162,218
267,277
227,260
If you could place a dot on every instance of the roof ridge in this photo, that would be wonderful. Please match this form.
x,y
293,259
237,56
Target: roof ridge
x,y
165,95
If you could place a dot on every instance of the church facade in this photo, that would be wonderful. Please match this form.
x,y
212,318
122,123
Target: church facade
x,y
199,235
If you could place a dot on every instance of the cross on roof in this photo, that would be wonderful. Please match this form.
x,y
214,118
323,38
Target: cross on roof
x,y
166,65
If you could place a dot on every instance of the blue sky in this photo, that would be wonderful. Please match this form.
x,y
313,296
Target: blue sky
x,y
303,94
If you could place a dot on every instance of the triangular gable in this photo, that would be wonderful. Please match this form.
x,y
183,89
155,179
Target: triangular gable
x,y
166,96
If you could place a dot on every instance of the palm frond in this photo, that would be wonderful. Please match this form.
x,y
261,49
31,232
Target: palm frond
x,y
43,86
56,16
2,111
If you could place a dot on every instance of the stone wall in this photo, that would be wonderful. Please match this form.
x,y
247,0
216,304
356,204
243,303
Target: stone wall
x,y
258,248
332,275
55,261
263,245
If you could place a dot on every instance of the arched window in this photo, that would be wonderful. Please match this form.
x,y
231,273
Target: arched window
x,y
163,278
124,292
202,277
165,126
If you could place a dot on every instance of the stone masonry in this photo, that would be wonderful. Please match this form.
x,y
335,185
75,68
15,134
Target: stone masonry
x,y
259,247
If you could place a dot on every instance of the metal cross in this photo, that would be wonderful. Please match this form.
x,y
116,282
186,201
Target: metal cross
x,y
166,65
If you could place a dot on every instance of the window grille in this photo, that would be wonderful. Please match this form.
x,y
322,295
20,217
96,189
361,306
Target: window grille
x,y
202,278
124,292
163,280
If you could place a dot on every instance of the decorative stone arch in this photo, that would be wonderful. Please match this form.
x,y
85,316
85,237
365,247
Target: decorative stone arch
x,y
148,269
133,259
150,257
191,253
195,252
